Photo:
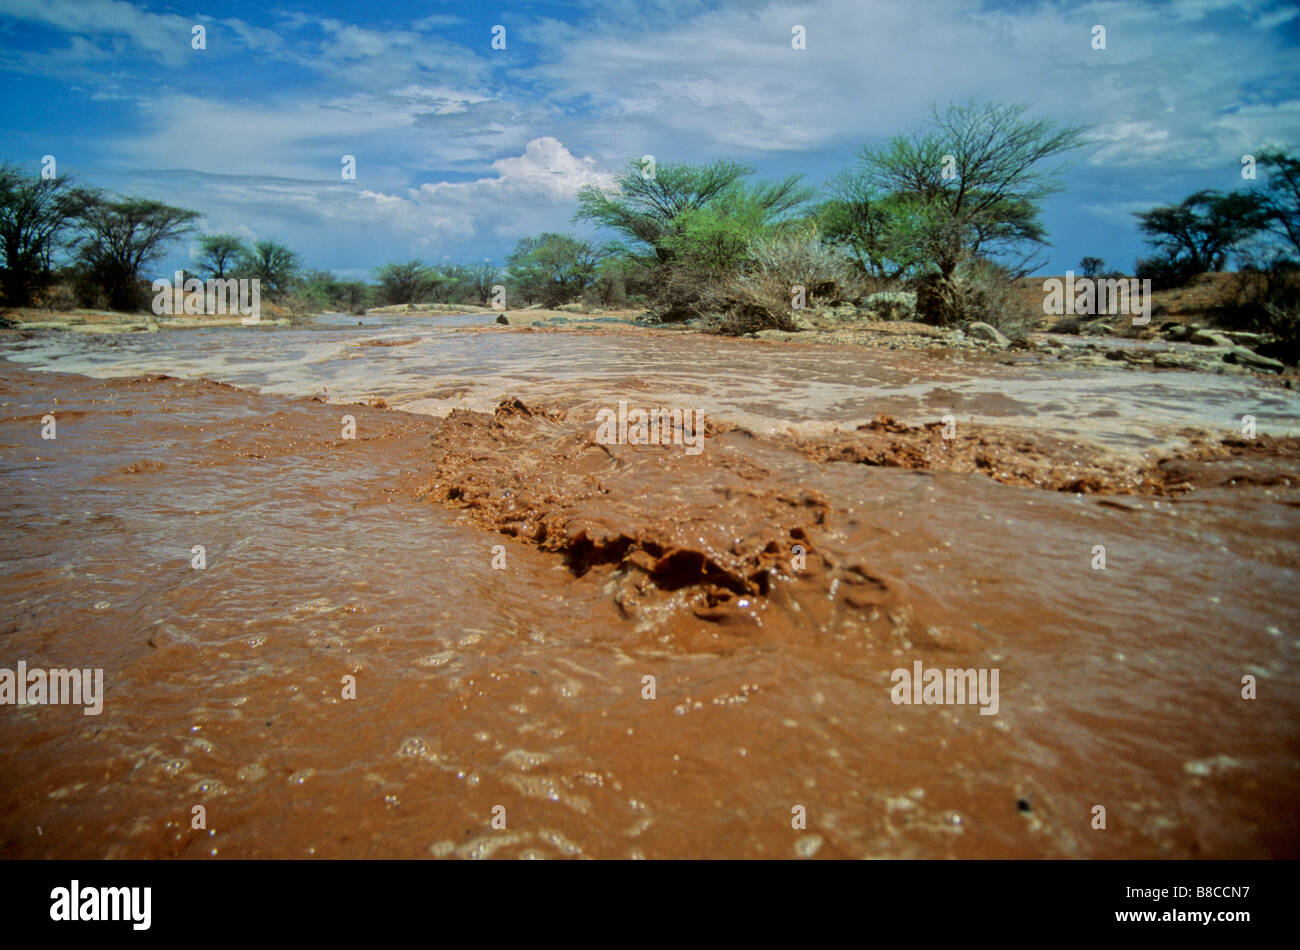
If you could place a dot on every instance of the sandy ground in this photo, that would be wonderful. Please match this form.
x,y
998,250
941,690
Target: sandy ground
x,y
106,321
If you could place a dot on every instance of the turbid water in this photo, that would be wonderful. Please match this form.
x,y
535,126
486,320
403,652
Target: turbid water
x,y
433,365
499,585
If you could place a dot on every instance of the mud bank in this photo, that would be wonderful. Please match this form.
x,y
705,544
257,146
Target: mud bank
x,y
516,675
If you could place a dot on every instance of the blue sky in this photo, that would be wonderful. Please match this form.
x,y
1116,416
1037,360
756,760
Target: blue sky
x,y
461,149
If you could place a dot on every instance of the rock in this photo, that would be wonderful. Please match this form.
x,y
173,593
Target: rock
x,y
1098,328
1244,338
1288,351
1173,361
1209,338
979,330
1177,332
501,318
1245,357
892,305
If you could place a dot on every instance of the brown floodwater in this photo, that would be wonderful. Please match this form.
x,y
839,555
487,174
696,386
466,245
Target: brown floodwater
x,y
499,584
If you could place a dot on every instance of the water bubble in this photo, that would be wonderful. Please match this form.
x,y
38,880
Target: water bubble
x,y
209,787
438,659
251,773
417,747
808,845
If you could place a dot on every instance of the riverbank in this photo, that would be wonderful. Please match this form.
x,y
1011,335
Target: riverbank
x,y
1175,346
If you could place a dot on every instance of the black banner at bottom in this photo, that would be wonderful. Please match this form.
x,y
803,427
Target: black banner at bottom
x,y
1217,900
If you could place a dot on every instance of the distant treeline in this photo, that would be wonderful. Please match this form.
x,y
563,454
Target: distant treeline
x,y
950,212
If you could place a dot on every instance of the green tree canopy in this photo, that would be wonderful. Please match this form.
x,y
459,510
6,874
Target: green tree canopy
x,y
966,187
406,281
271,263
35,214
219,254
1198,233
553,268
121,237
1282,195
655,210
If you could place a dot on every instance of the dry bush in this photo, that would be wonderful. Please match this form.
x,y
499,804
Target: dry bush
x,y
760,294
1266,299
782,261
299,308
978,291
56,297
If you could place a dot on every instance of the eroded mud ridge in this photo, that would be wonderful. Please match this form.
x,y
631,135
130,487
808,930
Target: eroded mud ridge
x,y
727,525
1041,461
769,586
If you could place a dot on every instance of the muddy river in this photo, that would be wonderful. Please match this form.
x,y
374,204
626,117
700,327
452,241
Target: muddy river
x,y
382,591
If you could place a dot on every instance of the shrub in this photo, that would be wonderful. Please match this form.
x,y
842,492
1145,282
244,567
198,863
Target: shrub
x,y
405,281
1166,272
977,291
892,305
58,296
759,293
1267,300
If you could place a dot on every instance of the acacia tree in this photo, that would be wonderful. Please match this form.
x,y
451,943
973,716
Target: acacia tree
x,y
481,278
271,263
35,214
122,236
967,187
220,254
1282,195
406,281
862,221
1196,235
553,268
653,210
